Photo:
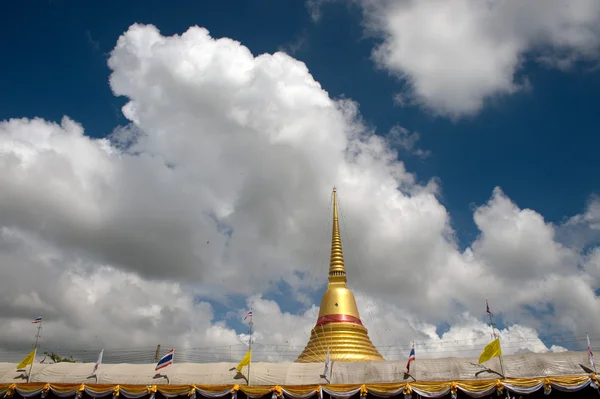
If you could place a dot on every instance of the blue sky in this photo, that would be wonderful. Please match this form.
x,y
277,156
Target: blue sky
x,y
539,144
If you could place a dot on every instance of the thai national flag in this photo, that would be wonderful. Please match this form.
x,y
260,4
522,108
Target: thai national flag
x,y
166,360
249,314
37,320
411,358
487,308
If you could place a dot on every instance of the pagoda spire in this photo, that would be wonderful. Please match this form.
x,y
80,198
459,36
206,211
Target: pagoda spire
x,y
339,330
337,270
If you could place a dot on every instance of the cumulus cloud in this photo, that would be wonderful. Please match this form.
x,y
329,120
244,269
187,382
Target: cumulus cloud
x,y
455,55
219,187
87,303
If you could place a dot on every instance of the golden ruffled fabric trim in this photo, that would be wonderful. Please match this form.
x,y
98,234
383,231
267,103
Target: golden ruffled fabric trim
x,y
382,390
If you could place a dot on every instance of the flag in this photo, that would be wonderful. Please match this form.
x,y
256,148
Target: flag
x,y
37,320
245,361
487,308
590,353
166,360
98,362
28,360
327,362
411,358
491,350
249,314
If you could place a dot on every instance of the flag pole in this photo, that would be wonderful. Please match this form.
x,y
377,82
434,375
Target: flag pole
x,y
250,325
497,336
37,338
167,374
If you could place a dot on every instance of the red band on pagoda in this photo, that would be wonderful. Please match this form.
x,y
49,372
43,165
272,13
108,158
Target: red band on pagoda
x,y
337,318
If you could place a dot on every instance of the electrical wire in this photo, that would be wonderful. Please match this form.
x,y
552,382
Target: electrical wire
x,y
279,352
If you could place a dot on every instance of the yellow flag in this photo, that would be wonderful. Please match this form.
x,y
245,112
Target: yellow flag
x,y
491,350
245,361
27,361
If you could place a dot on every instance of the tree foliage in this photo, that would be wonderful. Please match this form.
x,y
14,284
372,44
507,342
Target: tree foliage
x,y
56,358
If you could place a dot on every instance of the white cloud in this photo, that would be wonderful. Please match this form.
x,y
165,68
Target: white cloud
x,y
400,137
517,243
314,8
455,55
583,230
219,187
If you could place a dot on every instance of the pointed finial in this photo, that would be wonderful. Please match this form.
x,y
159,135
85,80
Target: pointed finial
x,y
337,271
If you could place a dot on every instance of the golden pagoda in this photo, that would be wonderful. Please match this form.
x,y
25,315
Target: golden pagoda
x,y
339,330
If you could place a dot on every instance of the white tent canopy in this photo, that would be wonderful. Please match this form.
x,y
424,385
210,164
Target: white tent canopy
x,y
528,365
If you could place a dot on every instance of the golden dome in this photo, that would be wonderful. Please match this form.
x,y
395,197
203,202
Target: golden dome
x,y
339,329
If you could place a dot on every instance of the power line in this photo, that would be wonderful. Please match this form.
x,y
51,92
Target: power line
x,y
282,352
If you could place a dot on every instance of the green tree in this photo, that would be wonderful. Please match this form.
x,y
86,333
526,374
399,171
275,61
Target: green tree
x,y
56,358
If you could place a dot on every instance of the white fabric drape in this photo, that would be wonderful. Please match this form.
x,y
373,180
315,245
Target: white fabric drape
x,y
341,395
213,394
306,396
